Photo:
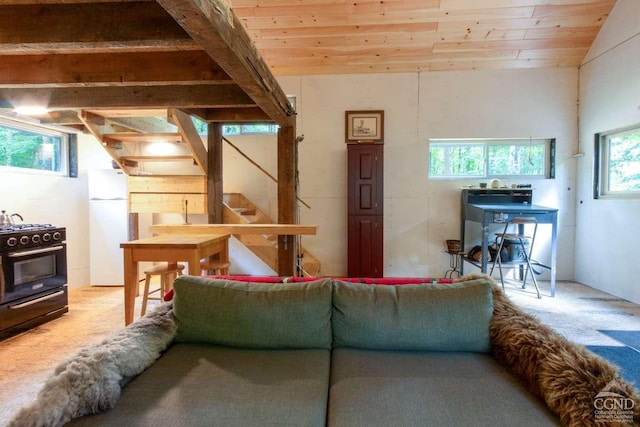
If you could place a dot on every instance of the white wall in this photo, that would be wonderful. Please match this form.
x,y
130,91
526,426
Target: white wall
x,y
607,231
419,214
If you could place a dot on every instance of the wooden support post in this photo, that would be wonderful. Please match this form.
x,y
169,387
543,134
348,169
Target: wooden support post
x,y
214,174
286,197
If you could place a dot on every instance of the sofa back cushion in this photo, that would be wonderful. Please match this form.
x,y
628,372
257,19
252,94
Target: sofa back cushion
x,y
427,317
253,315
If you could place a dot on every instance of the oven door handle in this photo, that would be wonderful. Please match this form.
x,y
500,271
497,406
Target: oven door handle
x,y
35,251
35,301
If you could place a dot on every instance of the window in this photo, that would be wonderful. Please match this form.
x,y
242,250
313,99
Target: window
x,y
488,158
30,147
253,129
229,129
617,165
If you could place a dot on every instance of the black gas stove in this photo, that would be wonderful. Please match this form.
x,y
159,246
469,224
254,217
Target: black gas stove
x,y
22,236
33,275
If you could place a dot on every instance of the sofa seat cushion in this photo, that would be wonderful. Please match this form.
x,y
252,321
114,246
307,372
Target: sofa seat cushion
x,y
253,315
422,317
385,388
205,385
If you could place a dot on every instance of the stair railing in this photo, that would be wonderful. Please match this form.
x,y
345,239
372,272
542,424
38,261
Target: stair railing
x,y
260,167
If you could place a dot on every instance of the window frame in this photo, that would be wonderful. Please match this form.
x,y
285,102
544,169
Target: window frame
x,y
486,143
68,155
245,128
601,164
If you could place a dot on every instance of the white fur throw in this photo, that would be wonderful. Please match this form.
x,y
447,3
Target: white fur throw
x,y
90,382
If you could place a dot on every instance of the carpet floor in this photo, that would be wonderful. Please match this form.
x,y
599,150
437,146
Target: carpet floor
x,y
584,315
626,356
628,338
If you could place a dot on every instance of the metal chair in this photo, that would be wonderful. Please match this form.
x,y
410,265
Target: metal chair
x,y
519,224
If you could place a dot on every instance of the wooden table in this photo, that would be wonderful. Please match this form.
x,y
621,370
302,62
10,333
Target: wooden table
x,y
279,229
169,248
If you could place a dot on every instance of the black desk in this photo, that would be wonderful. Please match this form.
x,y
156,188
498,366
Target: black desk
x,y
499,213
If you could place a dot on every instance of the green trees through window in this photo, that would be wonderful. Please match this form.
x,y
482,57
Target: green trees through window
x,y
27,148
233,129
510,160
447,160
473,158
253,129
618,163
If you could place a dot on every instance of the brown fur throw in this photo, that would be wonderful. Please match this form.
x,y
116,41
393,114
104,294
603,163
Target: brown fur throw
x,y
567,376
90,381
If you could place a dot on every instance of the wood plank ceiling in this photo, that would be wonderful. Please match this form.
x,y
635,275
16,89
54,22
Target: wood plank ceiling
x,y
298,37
195,55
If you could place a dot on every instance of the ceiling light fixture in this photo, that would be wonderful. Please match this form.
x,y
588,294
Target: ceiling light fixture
x,y
31,110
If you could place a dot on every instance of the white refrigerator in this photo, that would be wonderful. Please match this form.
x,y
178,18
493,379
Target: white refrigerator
x,y
108,226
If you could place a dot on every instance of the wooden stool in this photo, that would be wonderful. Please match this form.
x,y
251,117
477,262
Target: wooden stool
x,y
214,267
167,276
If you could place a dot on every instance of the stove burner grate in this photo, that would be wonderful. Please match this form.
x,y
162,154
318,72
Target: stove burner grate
x,y
24,227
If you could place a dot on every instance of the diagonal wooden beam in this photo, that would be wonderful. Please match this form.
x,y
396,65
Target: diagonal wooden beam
x,y
190,136
93,125
220,33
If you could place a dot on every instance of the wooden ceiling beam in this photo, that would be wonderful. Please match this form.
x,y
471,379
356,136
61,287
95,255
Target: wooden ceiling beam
x,y
183,96
157,68
230,115
218,31
72,1
64,118
236,115
89,26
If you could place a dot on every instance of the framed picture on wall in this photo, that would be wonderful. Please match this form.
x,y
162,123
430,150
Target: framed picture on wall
x,y
364,126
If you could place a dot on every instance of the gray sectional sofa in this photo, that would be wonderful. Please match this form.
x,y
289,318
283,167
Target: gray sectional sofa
x,y
330,353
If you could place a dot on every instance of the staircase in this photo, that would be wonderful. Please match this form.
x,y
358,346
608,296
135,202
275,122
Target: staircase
x,y
149,141
166,162
237,209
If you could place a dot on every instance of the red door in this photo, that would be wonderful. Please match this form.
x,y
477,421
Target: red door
x,y
365,179
365,209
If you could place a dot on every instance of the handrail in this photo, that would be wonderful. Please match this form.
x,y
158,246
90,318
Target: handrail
x,y
260,168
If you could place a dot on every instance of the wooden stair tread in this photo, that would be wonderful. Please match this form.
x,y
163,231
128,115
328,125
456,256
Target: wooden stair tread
x,y
239,210
245,211
157,158
143,137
